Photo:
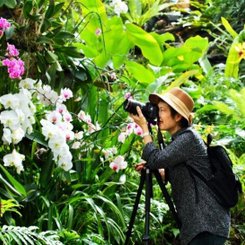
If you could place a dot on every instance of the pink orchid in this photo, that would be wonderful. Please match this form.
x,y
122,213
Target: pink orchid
x,y
15,67
12,51
4,24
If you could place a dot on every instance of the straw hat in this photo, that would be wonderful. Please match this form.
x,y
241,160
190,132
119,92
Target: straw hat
x,y
178,99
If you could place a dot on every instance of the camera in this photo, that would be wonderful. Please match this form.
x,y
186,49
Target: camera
x,y
149,110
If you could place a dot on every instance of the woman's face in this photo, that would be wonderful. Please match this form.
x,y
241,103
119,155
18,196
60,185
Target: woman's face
x,y
166,121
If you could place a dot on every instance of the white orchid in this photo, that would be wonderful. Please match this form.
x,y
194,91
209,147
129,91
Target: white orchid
x,y
49,130
10,119
17,135
65,161
7,136
27,83
122,136
14,159
9,101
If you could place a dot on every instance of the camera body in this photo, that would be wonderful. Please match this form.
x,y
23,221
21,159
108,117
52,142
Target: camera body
x,y
149,110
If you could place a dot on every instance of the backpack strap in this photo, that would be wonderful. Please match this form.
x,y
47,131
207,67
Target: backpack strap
x,y
209,140
193,172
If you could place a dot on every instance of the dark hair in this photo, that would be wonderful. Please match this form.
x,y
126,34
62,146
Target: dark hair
x,y
183,122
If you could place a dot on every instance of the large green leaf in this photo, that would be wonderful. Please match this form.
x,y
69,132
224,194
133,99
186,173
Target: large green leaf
x,y
139,72
161,39
182,58
123,46
146,42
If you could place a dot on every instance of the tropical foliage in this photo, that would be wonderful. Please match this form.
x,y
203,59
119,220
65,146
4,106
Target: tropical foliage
x,y
68,147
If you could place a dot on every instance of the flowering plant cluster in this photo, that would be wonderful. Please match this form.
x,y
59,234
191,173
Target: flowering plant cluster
x,y
17,120
56,126
19,116
11,60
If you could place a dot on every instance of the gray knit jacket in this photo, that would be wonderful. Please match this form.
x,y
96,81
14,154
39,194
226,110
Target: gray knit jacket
x,y
197,214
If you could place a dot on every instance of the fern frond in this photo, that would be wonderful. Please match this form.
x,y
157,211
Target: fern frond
x,y
28,236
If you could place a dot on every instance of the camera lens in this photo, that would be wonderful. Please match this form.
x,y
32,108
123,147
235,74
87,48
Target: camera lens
x,y
149,110
130,105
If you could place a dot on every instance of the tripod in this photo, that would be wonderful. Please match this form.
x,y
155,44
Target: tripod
x,y
146,178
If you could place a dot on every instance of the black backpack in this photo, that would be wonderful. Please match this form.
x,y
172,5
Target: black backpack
x,y
223,182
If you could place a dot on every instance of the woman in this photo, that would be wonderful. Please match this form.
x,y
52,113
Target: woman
x,y
204,221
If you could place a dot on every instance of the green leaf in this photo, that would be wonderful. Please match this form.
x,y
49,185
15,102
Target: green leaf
x,y
146,42
9,3
139,72
232,62
69,51
64,35
51,57
135,9
161,39
50,10
183,78
183,58
102,59
238,98
205,64
17,185
37,137
53,9
228,27
123,47
223,108
47,171
70,216
234,58
27,8
57,8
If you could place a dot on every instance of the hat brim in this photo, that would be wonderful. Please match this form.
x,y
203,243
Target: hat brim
x,y
156,98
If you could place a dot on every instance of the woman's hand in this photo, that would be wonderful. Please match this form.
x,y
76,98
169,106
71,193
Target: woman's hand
x,y
140,166
140,119
142,122
162,173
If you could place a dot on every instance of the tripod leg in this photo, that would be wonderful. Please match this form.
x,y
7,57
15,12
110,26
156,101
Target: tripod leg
x,y
148,195
136,203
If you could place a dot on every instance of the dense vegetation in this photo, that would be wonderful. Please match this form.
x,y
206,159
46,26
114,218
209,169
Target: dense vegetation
x,y
68,147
